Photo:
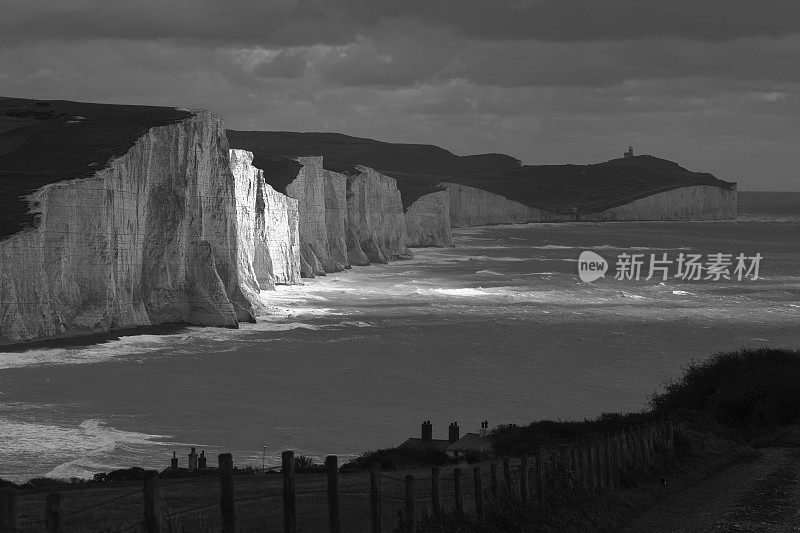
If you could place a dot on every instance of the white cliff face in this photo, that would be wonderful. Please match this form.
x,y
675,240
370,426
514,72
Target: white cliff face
x,y
686,203
150,239
246,179
320,195
375,215
428,221
346,221
475,207
278,245
269,251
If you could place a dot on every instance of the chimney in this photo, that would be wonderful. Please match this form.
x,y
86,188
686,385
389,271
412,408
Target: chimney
x,y
484,432
427,430
173,463
193,460
453,433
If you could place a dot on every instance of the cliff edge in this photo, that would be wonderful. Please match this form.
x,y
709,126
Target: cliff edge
x,y
498,189
148,237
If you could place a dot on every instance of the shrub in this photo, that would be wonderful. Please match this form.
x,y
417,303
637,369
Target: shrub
x,y
748,389
398,459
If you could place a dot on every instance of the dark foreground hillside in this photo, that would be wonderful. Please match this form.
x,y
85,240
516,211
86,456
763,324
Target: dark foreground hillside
x,y
418,168
691,462
43,142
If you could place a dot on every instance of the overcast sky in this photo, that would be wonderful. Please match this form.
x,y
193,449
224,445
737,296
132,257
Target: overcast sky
x,y
711,84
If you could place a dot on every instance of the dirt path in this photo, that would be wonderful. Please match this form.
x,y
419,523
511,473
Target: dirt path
x,y
763,495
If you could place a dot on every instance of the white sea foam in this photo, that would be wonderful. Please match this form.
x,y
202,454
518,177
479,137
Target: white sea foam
x,y
489,273
80,450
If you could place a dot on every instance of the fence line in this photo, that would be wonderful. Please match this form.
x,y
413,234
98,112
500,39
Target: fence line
x,y
587,464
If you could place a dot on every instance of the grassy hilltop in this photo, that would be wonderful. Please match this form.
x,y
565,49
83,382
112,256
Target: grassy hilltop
x,y
419,167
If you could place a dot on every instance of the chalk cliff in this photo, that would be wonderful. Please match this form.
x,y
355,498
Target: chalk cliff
x,y
268,242
428,221
475,207
151,238
346,220
702,202
322,210
375,215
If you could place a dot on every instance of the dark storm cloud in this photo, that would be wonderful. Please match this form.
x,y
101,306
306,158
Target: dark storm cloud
x,y
295,22
712,84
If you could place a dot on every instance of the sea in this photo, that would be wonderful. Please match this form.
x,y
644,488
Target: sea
x,y
499,327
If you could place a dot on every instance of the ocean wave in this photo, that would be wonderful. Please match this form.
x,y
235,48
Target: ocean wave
x,y
489,273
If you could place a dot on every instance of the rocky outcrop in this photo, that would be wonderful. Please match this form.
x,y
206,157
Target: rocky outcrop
x,y
475,207
149,239
375,216
268,242
702,202
428,221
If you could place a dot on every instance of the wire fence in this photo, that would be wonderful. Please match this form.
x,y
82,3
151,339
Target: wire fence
x,y
341,500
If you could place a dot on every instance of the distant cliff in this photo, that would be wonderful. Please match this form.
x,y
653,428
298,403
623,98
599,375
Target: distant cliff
x,y
428,221
268,240
475,207
346,220
375,216
149,238
497,189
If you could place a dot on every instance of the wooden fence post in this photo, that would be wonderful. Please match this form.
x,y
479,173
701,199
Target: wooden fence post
x,y
539,477
436,491
601,464
54,519
507,473
495,482
227,500
523,478
670,435
289,492
590,467
8,510
459,497
479,509
152,503
334,515
609,463
411,519
375,496
574,468
566,468
645,450
581,451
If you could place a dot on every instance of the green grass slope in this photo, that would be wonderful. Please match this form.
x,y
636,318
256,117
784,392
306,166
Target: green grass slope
x,y
43,142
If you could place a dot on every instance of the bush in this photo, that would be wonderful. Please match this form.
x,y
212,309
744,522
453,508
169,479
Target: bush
x,y
398,459
746,389
305,464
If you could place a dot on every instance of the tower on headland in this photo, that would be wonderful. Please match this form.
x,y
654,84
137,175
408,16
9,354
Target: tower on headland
x,y
629,153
